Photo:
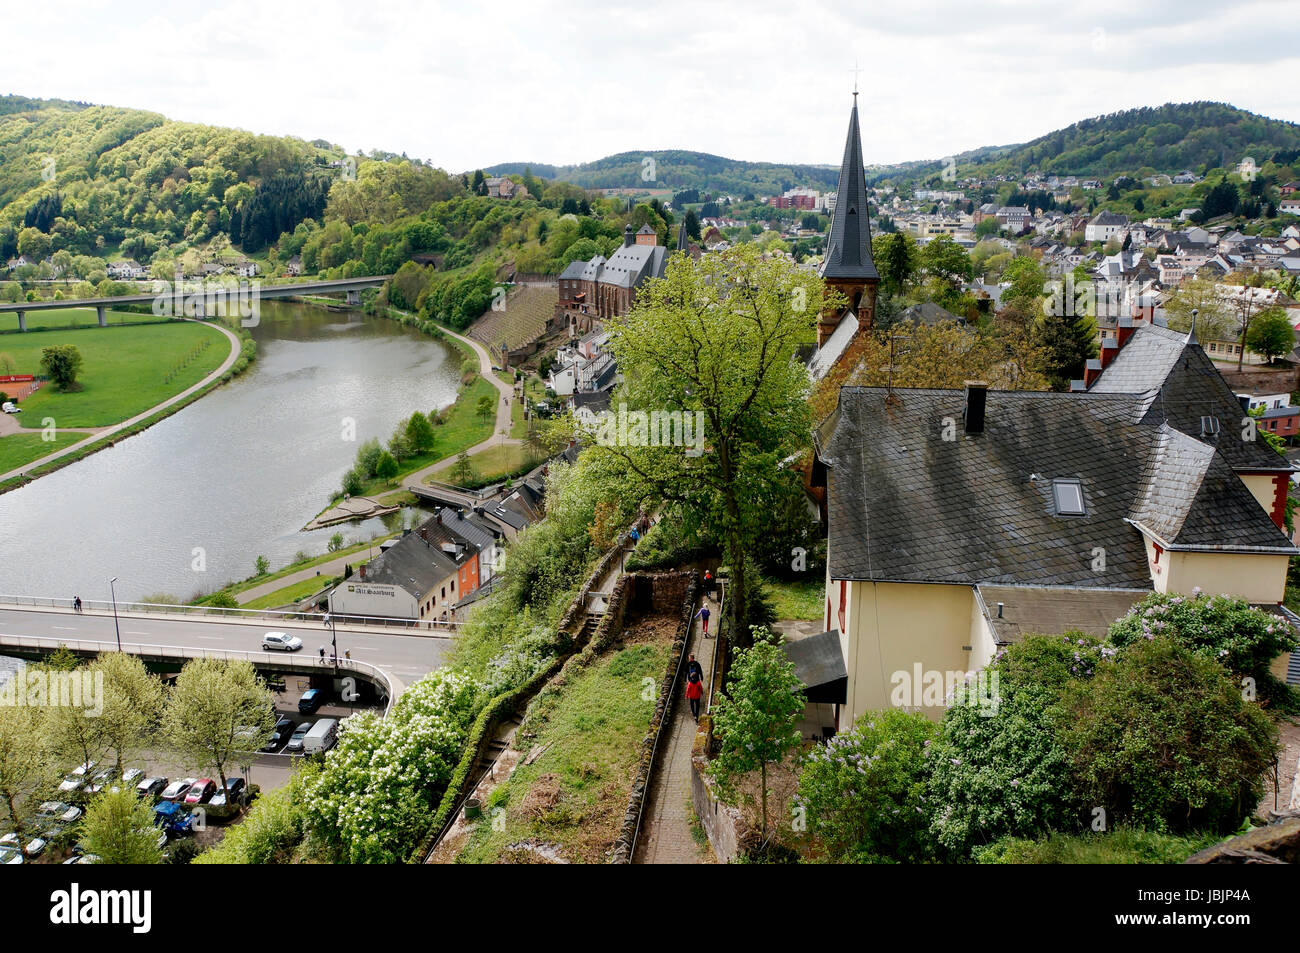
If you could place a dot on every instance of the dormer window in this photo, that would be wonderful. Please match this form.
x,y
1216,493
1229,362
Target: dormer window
x,y
1209,426
1067,498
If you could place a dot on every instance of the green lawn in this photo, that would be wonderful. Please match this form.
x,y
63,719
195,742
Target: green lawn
x,y
125,370
291,593
496,462
798,600
290,568
20,449
71,318
575,794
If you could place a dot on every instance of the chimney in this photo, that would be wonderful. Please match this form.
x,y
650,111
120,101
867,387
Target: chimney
x,y
973,412
1244,400
629,237
1091,371
1109,348
1123,330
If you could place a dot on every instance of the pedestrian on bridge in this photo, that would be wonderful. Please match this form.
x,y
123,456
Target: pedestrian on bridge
x,y
694,691
703,616
76,603
322,653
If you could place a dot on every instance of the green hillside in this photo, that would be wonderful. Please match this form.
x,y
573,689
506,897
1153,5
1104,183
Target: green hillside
x,y
679,169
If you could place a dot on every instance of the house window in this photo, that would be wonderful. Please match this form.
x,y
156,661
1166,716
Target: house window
x,y
1067,498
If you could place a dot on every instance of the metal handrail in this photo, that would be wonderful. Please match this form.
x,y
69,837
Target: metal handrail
x,y
184,651
231,614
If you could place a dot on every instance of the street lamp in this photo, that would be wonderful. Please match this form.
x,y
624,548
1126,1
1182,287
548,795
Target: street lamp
x,y
113,592
334,638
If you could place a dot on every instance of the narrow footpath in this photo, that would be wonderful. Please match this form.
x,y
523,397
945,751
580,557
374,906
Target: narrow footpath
x,y
666,836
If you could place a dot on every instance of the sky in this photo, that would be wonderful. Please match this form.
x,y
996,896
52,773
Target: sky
x,y
466,85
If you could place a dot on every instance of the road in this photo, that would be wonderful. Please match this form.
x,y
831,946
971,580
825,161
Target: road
x,y
406,657
500,432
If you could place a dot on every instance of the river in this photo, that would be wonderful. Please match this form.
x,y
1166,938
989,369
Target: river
x,y
190,503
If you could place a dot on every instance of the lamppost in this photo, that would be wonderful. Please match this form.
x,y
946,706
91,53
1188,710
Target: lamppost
x,y
334,639
113,592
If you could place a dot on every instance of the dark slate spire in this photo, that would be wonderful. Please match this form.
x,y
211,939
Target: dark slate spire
x,y
848,250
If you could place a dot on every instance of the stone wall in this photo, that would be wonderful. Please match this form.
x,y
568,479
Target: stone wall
x,y
727,830
1261,380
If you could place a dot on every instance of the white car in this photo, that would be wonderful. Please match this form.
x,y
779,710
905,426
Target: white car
x,y
281,642
66,813
10,855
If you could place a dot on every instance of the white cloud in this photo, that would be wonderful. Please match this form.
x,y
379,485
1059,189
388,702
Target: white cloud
x,y
467,86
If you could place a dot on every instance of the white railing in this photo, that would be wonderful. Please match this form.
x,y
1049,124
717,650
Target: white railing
x,y
233,615
187,652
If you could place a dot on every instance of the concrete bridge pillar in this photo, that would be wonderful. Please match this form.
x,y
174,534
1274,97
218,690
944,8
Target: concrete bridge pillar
x,y
102,311
22,320
354,299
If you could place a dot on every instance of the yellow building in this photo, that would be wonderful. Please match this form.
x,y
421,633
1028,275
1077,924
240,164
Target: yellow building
x,y
959,521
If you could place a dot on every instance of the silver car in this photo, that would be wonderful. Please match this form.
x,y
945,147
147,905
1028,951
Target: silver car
x,y
281,642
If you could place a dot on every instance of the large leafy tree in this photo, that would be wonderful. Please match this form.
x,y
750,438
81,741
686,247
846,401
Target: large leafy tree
x,y
1270,334
118,829
718,336
897,261
25,763
61,363
132,703
1067,341
756,719
219,710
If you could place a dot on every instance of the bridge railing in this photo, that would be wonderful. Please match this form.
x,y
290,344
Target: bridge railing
x,y
53,643
233,615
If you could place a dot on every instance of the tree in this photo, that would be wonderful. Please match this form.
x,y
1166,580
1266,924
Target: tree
x,y
61,364
218,709
354,481
261,565
387,467
1067,342
7,364
335,543
486,407
1271,335
25,759
715,341
462,471
1027,285
943,259
119,829
756,718
897,261
132,701
864,790
1214,319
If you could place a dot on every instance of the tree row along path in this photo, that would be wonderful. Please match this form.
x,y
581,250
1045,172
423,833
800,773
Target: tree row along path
x,y
666,836
500,431
99,433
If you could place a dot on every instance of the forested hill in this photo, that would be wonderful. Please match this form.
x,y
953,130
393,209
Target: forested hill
x,y
1139,142
678,170
100,176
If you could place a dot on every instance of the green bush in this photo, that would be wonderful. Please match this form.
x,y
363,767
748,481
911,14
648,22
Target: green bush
x,y
863,792
1241,638
1124,845
1009,774
1162,738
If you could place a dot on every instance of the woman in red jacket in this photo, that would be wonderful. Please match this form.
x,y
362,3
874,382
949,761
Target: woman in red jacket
x,y
694,690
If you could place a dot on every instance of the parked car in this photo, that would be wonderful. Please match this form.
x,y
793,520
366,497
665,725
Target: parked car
x,y
59,810
151,787
281,642
10,855
232,794
201,791
283,729
177,789
34,847
98,782
299,733
172,818
311,701
132,776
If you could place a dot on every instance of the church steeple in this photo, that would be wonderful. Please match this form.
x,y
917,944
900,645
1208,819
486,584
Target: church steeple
x,y
848,266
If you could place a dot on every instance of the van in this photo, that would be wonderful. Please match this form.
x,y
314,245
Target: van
x,y
322,736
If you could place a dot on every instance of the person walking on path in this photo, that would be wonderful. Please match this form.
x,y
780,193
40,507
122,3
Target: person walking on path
x,y
694,669
703,616
708,582
322,654
76,603
694,690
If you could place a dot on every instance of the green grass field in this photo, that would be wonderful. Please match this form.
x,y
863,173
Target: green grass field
x,y
20,449
798,600
72,318
291,593
125,370
574,795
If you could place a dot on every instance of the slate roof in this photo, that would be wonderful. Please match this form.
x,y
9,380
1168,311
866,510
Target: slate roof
x,y
633,264
1180,385
927,312
574,270
1038,610
906,505
848,247
412,563
819,666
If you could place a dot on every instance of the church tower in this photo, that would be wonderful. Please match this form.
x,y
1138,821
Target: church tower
x,y
848,267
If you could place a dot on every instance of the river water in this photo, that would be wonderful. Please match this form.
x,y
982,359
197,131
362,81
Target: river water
x,y
190,503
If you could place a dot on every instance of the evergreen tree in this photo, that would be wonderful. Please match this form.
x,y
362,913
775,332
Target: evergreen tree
x,y
1067,342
